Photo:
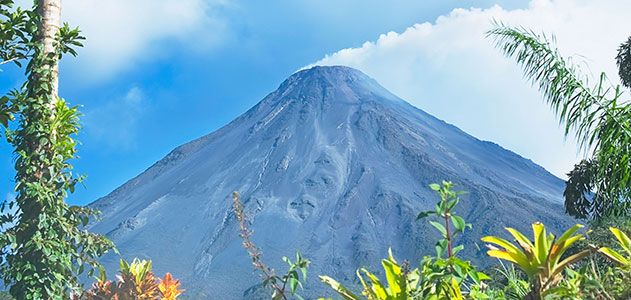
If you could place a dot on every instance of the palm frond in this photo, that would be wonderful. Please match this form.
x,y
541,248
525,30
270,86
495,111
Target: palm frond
x,y
577,106
594,114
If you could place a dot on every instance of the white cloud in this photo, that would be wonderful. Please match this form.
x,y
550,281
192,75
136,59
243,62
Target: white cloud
x,y
450,69
122,33
115,124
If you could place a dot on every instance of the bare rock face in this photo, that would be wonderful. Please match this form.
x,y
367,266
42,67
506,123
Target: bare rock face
x,y
331,164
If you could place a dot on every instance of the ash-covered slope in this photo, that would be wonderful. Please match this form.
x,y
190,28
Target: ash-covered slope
x,y
331,164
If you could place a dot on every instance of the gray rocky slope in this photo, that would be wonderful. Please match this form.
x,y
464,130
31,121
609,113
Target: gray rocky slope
x,y
331,164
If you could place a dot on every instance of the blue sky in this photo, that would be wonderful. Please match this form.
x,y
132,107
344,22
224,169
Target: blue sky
x,y
157,73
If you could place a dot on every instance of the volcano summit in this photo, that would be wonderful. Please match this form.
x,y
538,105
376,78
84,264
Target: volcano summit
x,y
331,164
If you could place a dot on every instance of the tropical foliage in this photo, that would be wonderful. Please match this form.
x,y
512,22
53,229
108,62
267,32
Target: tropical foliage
x,y
623,259
548,268
444,211
43,245
541,259
400,282
437,277
596,114
135,281
623,60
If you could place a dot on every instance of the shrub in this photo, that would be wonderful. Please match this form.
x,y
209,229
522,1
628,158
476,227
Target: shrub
x,y
438,277
135,281
401,282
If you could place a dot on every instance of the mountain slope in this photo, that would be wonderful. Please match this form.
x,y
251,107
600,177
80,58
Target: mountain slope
x,y
331,164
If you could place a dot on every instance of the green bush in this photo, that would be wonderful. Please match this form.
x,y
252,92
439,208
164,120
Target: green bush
x,y
134,281
444,276
545,267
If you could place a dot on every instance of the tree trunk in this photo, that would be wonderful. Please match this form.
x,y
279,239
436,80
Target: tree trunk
x,y
50,14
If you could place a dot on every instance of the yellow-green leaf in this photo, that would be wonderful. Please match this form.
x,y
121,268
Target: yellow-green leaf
x,y
615,256
340,289
624,240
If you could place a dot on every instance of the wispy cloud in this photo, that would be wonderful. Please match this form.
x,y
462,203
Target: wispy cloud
x,y
115,123
451,70
122,33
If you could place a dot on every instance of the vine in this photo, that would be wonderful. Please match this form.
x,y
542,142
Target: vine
x,y
44,245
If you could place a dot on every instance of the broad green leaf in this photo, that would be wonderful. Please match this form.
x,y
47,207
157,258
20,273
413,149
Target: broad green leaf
x,y
458,222
614,255
393,277
523,241
376,287
541,242
623,239
340,289
568,233
568,261
439,227
293,283
457,249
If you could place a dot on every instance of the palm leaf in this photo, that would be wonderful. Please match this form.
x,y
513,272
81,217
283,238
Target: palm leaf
x,y
594,114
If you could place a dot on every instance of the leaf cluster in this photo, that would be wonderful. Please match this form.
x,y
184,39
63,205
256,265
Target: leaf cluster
x,y
134,281
444,211
436,278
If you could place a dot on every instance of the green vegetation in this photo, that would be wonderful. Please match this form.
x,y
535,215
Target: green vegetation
x,y
401,283
43,246
596,114
547,272
135,281
541,259
548,268
624,242
437,277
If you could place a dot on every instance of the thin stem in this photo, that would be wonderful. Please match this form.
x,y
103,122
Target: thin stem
x,y
447,229
246,234
283,289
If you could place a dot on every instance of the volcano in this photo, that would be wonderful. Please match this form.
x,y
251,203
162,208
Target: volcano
x,y
331,164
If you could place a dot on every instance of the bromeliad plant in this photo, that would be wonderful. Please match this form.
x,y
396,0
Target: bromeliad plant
x,y
542,259
617,278
135,281
169,287
401,282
